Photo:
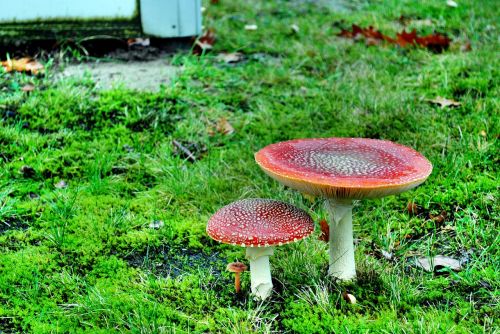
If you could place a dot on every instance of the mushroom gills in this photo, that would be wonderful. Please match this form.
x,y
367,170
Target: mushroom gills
x,y
260,271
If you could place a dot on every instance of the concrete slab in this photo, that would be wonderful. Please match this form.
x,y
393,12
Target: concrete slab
x,y
135,75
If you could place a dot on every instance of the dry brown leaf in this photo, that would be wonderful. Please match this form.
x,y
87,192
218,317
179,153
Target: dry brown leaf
x,y
444,102
204,43
466,47
224,127
435,42
23,65
412,208
325,231
231,58
138,42
440,218
430,264
349,298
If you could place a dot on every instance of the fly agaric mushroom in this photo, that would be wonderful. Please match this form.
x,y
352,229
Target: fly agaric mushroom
x,y
342,170
259,224
237,268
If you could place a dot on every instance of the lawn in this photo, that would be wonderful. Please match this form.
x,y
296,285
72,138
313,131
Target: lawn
x,y
102,218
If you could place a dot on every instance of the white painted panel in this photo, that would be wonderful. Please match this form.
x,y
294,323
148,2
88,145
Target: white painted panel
x,y
160,17
189,17
29,10
171,18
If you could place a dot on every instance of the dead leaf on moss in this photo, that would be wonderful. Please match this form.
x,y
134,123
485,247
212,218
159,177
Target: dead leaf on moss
x,y
25,64
444,102
204,43
435,42
466,47
224,127
230,58
325,231
440,218
431,264
412,208
349,298
138,42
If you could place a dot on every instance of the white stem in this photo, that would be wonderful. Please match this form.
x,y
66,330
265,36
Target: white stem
x,y
341,241
260,271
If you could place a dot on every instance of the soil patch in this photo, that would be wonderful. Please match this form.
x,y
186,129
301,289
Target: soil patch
x,y
135,75
165,261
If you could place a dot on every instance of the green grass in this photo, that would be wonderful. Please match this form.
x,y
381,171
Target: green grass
x,y
83,259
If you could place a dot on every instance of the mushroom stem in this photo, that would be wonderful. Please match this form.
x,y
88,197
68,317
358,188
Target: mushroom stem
x,y
260,271
342,264
237,283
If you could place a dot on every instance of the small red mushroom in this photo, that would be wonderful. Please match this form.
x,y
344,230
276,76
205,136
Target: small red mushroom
x,y
237,268
259,224
342,170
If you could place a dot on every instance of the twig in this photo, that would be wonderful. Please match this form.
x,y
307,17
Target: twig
x,y
184,150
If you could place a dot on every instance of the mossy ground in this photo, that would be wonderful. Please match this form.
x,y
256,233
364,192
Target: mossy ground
x,y
84,259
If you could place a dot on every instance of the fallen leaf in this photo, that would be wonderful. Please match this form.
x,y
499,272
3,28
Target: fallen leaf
x,y
440,218
325,231
371,35
230,58
28,88
131,42
157,224
349,298
224,127
452,3
448,228
444,102
251,27
431,264
482,133
23,65
466,47
204,43
434,42
61,184
412,208
387,255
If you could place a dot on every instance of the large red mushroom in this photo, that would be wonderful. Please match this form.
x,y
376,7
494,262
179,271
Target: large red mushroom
x,y
259,225
343,170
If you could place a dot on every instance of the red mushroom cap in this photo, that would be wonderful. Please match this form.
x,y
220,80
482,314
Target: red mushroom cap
x,y
344,168
259,223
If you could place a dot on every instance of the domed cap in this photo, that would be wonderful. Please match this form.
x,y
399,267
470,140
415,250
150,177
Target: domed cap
x,y
259,223
344,168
